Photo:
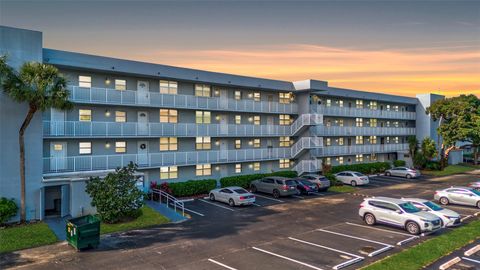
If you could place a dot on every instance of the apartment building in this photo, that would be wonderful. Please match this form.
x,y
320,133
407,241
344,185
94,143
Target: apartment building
x,y
182,124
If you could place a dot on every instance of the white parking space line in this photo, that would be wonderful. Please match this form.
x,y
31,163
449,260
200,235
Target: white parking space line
x,y
471,260
376,252
221,264
299,197
355,259
195,212
221,206
378,229
268,198
256,204
287,258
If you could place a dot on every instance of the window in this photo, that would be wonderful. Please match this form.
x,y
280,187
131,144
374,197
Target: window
x,y
170,172
339,122
395,140
387,123
256,120
202,117
340,103
359,122
388,107
120,116
285,98
238,168
329,123
340,160
85,115
202,90
387,139
168,144
168,116
373,157
395,108
168,87
203,169
120,85
85,148
238,119
256,96
58,147
359,139
328,161
238,144
284,119
85,81
256,143
373,122
284,141
329,103
238,95
373,139
120,147
328,141
395,123
284,163
203,143
373,105
359,158
340,141
256,166
359,104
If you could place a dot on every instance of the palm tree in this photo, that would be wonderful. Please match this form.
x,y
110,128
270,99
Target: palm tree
x,y
42,87
412,145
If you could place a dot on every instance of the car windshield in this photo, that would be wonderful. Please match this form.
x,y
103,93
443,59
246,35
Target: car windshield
x,y
474,191
305,182
433,206
290,182
409,208
357,174
240,191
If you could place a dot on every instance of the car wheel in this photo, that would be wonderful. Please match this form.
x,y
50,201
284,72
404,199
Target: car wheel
x,y
388,174
254,188
231,202
212,197
478,204
412,228
369,219
353,183
276,194
408,176
444,201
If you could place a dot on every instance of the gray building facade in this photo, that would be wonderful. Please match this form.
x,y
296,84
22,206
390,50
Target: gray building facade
x,y
182,124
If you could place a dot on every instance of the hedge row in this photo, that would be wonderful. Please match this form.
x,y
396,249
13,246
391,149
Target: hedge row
x,y
365,168
192,187
245,180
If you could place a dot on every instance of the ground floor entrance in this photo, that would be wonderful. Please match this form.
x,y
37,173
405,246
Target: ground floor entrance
x,y
56,201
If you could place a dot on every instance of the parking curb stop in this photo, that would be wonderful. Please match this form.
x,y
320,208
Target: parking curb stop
x,y
449,263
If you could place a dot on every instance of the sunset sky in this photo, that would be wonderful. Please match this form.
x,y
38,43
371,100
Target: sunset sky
x,y
399,47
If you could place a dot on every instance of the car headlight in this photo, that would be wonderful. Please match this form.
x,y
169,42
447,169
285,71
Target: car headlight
x,y
450,217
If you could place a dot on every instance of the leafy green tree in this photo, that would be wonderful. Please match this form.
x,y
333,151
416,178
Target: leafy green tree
x,y
429,149
459,119
40,86
116,197
412,145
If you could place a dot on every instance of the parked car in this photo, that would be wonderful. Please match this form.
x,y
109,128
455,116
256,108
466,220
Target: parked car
x,y
475,185
458,195
305,186
399,213
448,217
352,178
321,181
232,195
403,172
275,185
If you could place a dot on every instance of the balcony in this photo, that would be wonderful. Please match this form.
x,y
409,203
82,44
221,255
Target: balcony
x,y
308,166
155,160
358,149
321,130
364,113
53,129
154,99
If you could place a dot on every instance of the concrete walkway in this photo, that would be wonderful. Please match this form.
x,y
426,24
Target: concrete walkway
x,y
57,225
166,211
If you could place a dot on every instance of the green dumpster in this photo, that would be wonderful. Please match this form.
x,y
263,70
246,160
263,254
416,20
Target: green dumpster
x,y
83,232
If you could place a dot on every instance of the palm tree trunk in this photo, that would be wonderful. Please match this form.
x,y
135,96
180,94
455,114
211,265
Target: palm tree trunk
x,y
21,132
475,155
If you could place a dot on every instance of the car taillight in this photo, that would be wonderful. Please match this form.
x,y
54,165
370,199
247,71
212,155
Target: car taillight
x,y
436,192
242,198
285,187
361,205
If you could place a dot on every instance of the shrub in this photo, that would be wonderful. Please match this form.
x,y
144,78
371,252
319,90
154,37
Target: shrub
x,y
399,163
8,209
419,160
333,180
366,168
433,165
188,188
116,197
245,180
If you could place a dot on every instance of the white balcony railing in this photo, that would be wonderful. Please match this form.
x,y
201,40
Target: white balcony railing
x,y
358,149
306,143
308,166
367,113
321,130
155,99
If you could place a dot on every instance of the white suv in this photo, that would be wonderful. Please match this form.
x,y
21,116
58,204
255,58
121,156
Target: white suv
x,y
398,213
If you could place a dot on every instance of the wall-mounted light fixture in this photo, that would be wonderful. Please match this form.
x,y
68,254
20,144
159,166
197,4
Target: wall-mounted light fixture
x,y
217,117
250,166
250,142
217,168
250,119
217,143
107,81
107,113
216,93
250,95
107,145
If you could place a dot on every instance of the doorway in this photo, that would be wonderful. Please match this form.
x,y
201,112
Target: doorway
x,y
142,151
57,122
223,99
142,123
58,156
53,201
143,92
223,124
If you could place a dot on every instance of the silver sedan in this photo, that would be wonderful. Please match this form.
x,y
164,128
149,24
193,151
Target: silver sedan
x,y
232,195
403,172
458,195
475,185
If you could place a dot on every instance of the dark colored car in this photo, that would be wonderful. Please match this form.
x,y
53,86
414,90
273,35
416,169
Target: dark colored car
x,y
306,187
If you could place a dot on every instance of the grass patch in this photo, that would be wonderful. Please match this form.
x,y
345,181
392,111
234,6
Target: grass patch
x,y
452,169
431,250
342,189
148,218
26,236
